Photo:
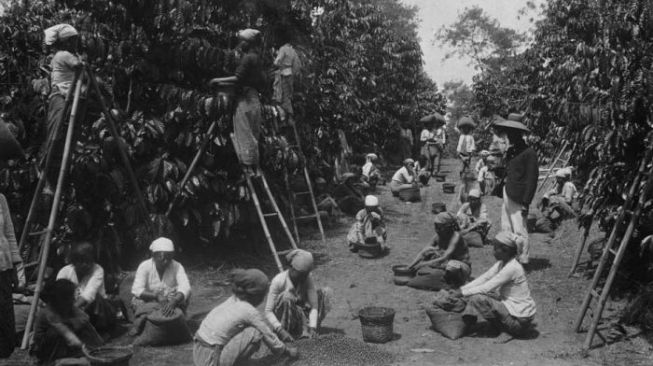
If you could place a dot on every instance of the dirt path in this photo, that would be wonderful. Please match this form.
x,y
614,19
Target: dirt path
x,y
361,282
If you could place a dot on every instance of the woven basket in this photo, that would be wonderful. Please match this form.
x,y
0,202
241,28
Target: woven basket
x,y
438,207
439,177
376,323
410,194
109,356
448,187
369,250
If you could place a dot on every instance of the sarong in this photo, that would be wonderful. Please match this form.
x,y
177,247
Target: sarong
x,y
293,313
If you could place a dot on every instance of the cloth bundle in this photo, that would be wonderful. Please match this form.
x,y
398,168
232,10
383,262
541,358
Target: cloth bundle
x,y
445,301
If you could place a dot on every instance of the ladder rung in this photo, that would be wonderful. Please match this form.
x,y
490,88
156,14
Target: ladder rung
x,y
41,232
270,214
595,293
30,265
611,250
598,333
306,217
284,252
300,193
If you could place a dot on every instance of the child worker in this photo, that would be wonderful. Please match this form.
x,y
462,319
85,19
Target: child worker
x,y
466,145
370,174
501,295
369,224
61,328
232,332
445,261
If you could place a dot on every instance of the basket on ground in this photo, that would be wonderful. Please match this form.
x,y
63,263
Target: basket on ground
x,y
448,187
109,356
438,207
376,323
439,177
370,249
402,274
410,194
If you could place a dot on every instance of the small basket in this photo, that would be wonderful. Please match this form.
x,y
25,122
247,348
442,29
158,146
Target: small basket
x,y
376,323
410,194
448,187
109,356
438,207
369,249
439,177
403,270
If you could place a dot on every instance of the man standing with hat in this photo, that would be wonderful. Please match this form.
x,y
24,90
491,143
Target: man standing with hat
x,y
521,179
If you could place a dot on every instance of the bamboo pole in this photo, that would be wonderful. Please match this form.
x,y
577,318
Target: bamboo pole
x,y
193,164
123,155
45,249
276,209
553,164
48,162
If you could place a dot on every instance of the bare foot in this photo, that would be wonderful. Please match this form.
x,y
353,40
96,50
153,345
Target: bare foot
x,y
503,338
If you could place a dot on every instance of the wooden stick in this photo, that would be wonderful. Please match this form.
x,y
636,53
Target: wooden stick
x,y
48,161
579,252
45,250
193,164
553,164
259,211
123,155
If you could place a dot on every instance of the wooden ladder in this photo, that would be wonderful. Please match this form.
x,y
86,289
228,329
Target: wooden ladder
x,y
293,195
632,208
264,216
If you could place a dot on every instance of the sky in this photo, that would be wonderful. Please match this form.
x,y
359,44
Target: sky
x,y
433,14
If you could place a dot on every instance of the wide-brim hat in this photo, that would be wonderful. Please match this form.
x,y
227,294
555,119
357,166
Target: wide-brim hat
x,y
9,147
436,118
519,117
466,121
504,123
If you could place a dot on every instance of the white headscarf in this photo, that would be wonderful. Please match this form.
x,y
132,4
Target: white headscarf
x,y
59,32
162,245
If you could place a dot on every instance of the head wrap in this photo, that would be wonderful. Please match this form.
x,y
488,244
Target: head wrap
x,y
491,158
372,156
474,192
162,245
508,239
248,34
59,32
320,180
409,161
300,260
371,201
563,173
445,219
485,153
249,282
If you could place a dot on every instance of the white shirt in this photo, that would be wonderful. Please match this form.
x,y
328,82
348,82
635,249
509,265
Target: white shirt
x,y
230,318
512,285
426,135
403,176
174,279
366,170
466,144
281,283
90,286
440,136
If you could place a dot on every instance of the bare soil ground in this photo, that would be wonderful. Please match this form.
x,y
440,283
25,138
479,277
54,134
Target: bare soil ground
x,y
361,282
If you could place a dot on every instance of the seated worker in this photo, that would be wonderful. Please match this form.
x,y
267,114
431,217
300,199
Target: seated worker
x,y
369,224
404,178
232,332
557,204
468,183
90,294
295,307
370,174
160,284
446,258
510,315
473,219
423,174
61,328
348,195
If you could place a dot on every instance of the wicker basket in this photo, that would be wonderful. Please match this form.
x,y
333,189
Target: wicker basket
x,y
410,194
439,177
438,207
369,250
448,187
403,274
109,356
376,323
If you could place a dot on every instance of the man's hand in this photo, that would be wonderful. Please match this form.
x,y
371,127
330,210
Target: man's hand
x,y
284,335
168,309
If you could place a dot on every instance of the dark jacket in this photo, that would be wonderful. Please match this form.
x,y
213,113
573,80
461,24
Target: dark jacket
x,y
521,175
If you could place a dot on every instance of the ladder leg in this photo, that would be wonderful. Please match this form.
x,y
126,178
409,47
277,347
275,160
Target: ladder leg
x,y
266,230
276,209
53,215
291,199
579,253
317,213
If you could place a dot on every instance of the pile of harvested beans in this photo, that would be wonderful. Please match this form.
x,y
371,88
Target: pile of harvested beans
x,y
337,350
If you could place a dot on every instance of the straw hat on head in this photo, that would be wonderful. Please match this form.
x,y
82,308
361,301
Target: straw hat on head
x,y
514,125
9,146
249,34
517,117
435,118
466,122
372,156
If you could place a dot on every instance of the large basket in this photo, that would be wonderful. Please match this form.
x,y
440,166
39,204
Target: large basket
x,y
448,187
369,249
410,194
403,274
376,323
109,356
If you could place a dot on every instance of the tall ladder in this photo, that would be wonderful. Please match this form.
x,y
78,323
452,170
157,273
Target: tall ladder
x,y
292,195
72,104
630,208
264,216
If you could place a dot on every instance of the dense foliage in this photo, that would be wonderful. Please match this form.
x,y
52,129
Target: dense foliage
x,y
363,73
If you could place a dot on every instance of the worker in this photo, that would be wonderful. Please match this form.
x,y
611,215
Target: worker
x,y
232,332
466,144
370,174
369,224
473,219
404,178
501,295
160,284
295,307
